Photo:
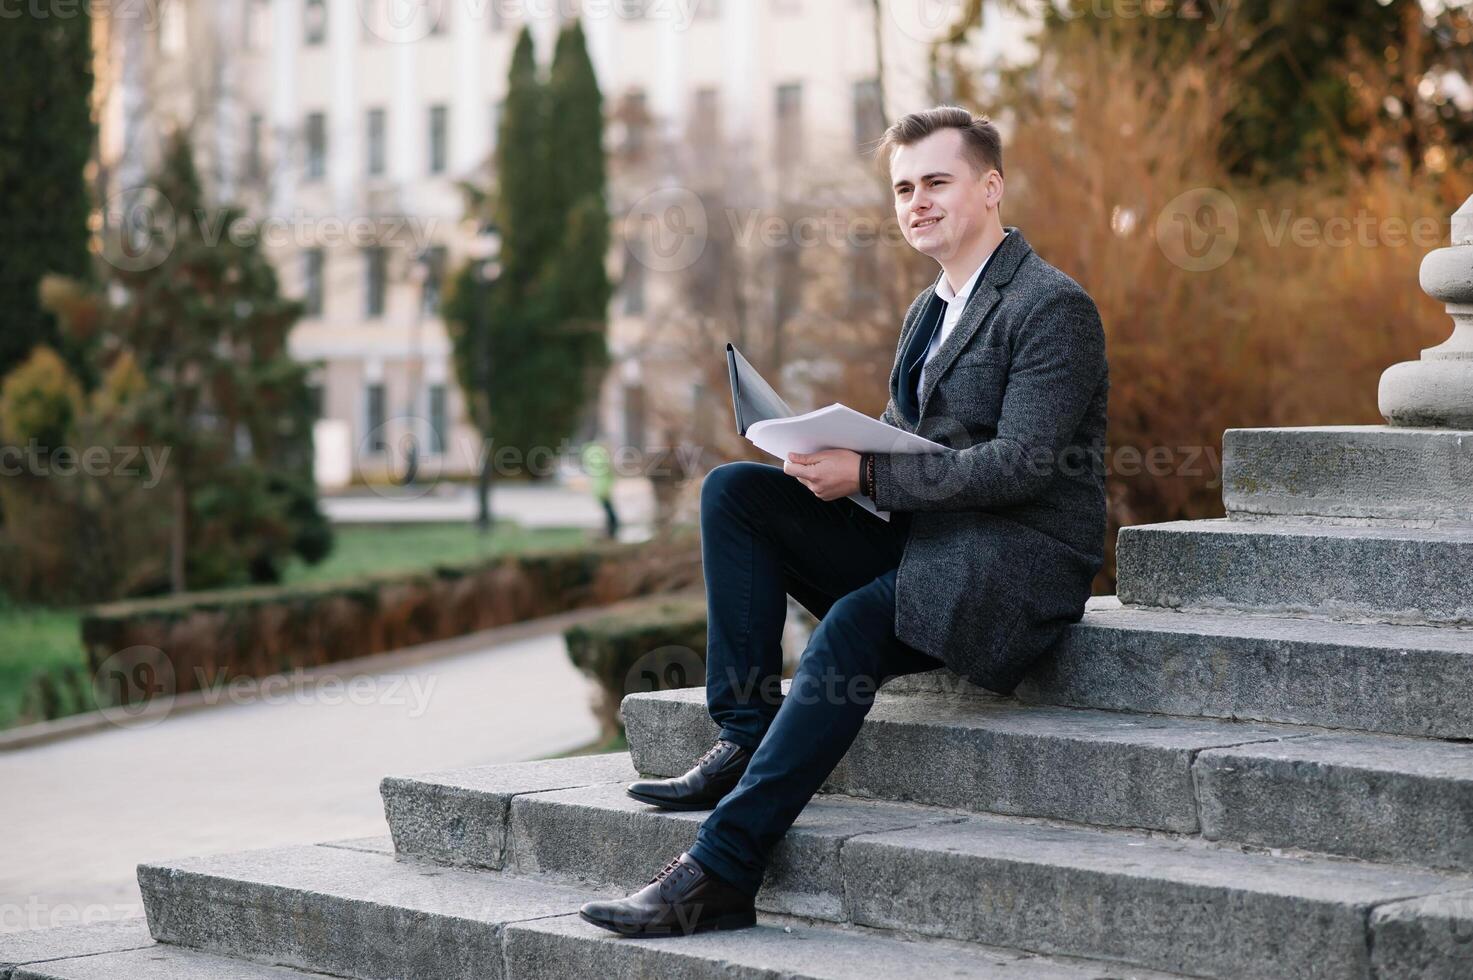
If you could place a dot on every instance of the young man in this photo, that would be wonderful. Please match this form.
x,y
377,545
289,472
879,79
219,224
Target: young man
x,y
989,554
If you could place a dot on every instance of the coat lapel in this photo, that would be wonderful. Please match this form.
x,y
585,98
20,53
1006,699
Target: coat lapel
x,y
1010,253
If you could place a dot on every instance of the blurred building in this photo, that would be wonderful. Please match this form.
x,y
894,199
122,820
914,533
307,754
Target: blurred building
x,y
349,123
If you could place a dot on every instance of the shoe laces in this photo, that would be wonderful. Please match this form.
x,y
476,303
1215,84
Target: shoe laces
x,y
711,753
667,869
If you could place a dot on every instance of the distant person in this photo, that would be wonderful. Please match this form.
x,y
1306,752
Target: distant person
x,y
998,537
599,467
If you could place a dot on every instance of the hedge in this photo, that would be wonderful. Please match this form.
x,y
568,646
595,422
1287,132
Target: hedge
x,y
188,642
654,645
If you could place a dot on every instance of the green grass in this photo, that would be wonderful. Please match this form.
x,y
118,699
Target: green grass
x,y
400,548
36,639
33,640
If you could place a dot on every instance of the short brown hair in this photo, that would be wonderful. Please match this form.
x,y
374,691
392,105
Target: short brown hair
x,y
981,142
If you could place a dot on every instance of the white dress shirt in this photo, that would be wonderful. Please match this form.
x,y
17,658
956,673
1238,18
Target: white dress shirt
x,y
955,303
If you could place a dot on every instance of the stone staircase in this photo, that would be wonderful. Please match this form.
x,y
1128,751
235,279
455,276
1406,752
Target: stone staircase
x,y
1253,762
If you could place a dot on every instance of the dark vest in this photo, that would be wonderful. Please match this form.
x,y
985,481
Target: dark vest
x,y
908,398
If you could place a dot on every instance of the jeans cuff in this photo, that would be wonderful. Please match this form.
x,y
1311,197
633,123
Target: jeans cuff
x,y
718,866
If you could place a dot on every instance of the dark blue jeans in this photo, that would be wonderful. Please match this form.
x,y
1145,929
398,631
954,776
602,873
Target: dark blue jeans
x,y
765,536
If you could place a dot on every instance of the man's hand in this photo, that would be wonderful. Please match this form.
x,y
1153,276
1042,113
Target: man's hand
x,y
830,474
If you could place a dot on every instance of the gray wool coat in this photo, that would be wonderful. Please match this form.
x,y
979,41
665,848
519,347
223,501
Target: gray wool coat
x,y
1008,525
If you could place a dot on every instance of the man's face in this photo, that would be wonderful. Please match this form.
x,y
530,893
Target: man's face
x,y
940,202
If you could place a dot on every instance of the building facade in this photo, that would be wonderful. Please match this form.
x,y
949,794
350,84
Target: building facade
x,y
349,125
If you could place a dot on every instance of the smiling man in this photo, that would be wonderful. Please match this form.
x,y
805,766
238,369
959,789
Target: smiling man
x,y
989,555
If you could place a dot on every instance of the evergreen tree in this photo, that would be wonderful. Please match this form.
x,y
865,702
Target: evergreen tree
x,y
530,344
207,326
45,140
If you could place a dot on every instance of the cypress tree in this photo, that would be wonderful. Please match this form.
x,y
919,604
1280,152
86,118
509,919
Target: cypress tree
x,y
46,136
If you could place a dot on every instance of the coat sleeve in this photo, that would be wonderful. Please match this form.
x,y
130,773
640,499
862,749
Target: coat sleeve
x,y
1057,362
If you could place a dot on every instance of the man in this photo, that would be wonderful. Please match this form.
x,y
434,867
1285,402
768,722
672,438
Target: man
x,y
990,553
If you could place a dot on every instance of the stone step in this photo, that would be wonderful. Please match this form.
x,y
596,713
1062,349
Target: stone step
x,y
346,912
363,915
567,947
32,947
1377,797
1414,576
1350,473
157,962
992,755
1402,680
1157,901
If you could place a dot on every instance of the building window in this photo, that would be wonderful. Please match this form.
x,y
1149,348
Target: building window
x,y
788,296
316,399
632,286
374,419
375,269
314,25
376,136
256,25
631,9
788,145
313,261
498,109
173,28
634,116
316,139
439,137
438,419
704,128
438,11
255,165
498,17
869,115
434,281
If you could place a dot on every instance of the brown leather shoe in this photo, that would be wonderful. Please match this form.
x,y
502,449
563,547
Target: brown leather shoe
x,y
681,899
715,774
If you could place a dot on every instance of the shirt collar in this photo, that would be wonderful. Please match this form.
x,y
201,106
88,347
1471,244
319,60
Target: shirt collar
x,y
943,287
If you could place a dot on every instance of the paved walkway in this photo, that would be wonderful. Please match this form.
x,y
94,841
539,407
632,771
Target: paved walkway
x,y
289,765
552,505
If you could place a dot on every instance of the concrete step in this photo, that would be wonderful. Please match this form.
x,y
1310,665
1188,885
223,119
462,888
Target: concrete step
x,y
346,912
1350,472
1414,576
567,947
480,797
1157,901
1402,680
157,962
1376,797
363,915
30,948
1379,797
992,755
